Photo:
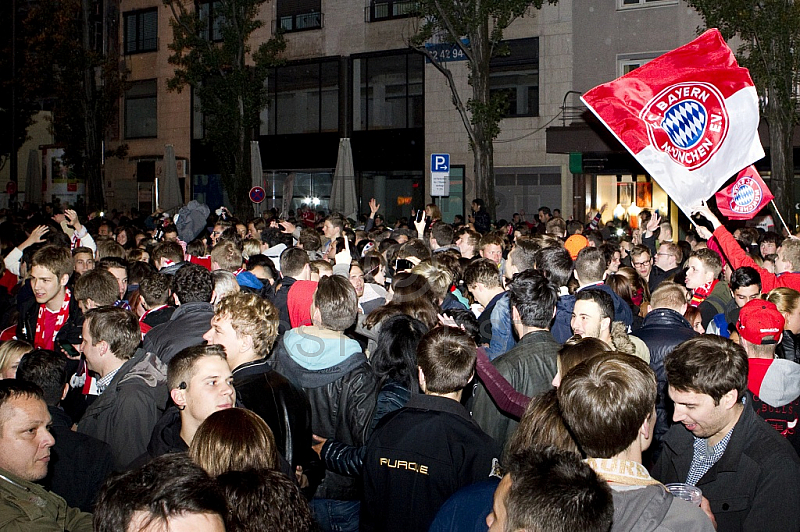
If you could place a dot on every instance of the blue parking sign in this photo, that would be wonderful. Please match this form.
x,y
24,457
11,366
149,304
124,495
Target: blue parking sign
x,y
440,162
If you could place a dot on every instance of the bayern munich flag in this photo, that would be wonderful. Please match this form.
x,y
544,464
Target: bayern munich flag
x,y
690,117
744,197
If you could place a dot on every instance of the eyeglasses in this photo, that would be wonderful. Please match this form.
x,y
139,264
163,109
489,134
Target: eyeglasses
x,y
639,264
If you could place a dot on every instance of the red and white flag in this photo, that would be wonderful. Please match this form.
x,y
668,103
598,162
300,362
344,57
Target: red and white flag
x,y
690,117
744,197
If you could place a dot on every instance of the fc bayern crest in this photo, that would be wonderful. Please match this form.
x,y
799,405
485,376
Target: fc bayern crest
x,y
688,122
747,196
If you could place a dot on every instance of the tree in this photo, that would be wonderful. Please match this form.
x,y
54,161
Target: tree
x,y
476,28
770,35
24,107
213,55
67,62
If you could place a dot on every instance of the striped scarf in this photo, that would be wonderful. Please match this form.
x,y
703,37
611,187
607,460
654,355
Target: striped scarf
x,y
702,292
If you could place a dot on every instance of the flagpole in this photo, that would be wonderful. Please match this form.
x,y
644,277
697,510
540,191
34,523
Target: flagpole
x,y
781,217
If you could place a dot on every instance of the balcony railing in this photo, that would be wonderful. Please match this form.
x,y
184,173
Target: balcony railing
x,y
302,22
390,9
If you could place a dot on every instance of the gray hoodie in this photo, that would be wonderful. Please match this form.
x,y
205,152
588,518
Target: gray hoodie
x,y
653,508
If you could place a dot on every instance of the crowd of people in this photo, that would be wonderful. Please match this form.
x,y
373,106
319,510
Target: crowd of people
x,y
311,372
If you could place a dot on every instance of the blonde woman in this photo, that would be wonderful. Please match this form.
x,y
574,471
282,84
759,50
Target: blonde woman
x,y
788,302
11,352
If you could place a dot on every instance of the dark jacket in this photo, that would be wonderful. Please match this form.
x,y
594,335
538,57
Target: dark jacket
x,y
349,459
165,439
789,348
285,408
185,328
658,276
280,299
69,333
529,367
662,330
342,393
79,464
755,485
482,221
159,317
127,411
434,433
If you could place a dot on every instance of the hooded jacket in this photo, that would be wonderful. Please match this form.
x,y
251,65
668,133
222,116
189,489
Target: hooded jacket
x,y
127,411
341,387
653,508
775,385
185,328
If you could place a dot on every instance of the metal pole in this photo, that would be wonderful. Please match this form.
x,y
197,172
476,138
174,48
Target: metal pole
x,y
14,147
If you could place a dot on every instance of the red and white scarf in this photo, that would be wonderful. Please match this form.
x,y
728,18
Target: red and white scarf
x,y
702,292
61,319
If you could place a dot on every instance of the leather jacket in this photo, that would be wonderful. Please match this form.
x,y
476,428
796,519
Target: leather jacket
x,y
342,398
285,409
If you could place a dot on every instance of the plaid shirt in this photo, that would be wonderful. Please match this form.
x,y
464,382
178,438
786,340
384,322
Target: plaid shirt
x,y
103,383
705,457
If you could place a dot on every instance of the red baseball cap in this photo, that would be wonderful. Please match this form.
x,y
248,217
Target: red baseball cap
x,y
760,322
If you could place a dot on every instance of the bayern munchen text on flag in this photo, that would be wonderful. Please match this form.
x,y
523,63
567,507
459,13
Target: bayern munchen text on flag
x,y
743,198
689,117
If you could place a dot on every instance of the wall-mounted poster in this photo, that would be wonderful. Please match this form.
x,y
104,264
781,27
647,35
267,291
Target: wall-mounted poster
x,y
644,195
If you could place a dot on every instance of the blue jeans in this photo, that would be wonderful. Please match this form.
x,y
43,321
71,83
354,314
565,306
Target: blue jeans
x,y
336,516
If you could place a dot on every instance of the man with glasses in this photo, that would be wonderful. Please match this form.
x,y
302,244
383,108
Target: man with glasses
x,y
667,263
642,262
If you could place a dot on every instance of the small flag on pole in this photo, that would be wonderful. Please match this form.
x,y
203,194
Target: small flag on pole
x,y
745,197
689,117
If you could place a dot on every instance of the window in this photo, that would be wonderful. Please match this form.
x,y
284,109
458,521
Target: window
x,y
391,95
624,4
303,98
517,76
629,62
141,120
299,15
141,31
390,9
211,20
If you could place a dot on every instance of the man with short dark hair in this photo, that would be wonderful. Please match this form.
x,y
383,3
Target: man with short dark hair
x,y
200,383
294,267
748,472
79,464
52,316
131,384
424,452
340,384
484,282
745,285
441,238
531,364
96,288
590,269
593,316
192,286
25,445
642,262
550,490
608,403
169,493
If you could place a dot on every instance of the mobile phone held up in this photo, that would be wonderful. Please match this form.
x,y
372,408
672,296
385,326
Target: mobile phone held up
x,y
401,265
420,215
